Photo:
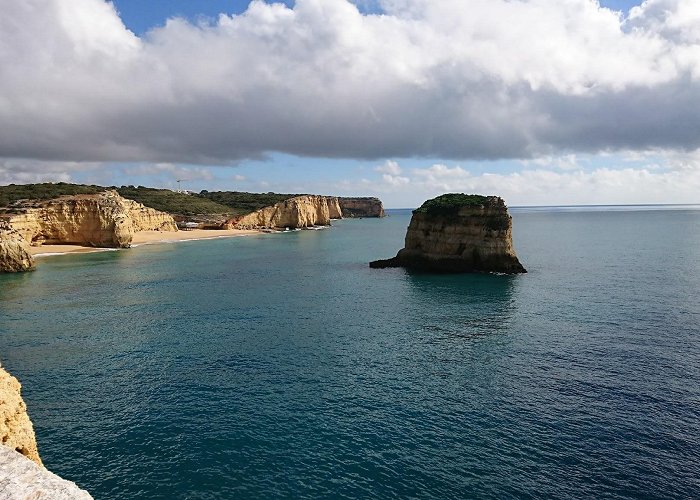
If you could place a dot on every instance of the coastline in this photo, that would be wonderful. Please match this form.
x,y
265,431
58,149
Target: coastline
x,y
146,238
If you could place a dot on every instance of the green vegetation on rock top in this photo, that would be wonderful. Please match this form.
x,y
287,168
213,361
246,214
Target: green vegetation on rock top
x,y
448,204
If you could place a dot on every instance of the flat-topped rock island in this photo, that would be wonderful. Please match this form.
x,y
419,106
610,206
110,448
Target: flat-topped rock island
x,y
458,233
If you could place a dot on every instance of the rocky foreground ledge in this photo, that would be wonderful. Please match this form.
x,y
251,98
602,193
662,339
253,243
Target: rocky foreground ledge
x,y
22,479
458,233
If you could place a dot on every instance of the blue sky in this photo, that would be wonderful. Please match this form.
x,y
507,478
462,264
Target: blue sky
x,y
141,15
540,101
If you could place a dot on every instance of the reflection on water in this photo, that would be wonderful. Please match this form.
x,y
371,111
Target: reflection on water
x,y
11,282
463,306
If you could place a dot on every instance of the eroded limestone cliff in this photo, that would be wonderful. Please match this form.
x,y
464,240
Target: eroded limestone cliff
x,y
297,212
100,220
22,475
335,211
14,252
16,430
361,207
147,219
459,233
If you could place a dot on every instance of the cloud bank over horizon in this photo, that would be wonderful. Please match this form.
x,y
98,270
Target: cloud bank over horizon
x,y
481,79
463,80
558,182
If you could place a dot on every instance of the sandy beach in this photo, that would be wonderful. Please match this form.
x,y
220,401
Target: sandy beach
x,y
149,237
146,238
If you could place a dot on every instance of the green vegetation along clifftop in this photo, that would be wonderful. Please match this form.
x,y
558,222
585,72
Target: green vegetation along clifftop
x,y
173,202
244,203
205,203
203,206
44,191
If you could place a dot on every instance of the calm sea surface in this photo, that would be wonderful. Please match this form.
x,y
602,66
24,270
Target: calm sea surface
x,y
282,366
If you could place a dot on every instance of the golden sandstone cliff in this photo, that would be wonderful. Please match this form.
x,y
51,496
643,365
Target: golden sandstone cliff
x,y
108,220
96,220
458,233
14,251
16,430
100,220
298,212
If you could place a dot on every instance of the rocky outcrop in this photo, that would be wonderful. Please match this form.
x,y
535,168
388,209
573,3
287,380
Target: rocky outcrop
x,y
335,211
100,220
22,479
147,219
457,233
298,212
362,207
16,430
14,252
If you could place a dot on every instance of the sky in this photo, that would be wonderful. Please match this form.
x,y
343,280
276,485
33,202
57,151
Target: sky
x,y
543,102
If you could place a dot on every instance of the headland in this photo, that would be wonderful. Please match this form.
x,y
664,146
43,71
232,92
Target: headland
x,y
48,219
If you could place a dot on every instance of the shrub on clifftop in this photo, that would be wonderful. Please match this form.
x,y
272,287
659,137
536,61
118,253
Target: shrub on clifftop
x,y
450,203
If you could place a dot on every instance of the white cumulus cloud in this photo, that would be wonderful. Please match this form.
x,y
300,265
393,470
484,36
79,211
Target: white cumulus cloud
x,y
674,179
390,167
454,79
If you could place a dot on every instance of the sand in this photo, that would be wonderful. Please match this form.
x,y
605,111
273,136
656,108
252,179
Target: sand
x,y
146,238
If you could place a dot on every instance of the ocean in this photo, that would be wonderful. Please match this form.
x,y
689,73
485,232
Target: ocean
x,y
282,366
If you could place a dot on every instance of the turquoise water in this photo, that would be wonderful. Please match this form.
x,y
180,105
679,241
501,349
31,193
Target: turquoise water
x,y
282,366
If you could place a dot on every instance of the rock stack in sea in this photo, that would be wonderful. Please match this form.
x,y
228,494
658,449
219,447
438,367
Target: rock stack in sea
x,y
458,233
298,212
14,251
22,474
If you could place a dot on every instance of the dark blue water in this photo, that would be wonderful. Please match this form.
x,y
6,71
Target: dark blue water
x,y
282,366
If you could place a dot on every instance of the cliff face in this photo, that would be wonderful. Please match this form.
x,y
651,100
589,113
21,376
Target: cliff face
x,y
100,220
298,212
362,207
147,219
16,430
22,474
334,209
14,252
475,237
